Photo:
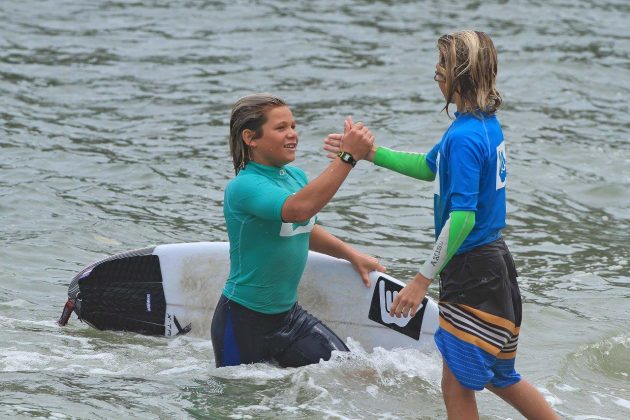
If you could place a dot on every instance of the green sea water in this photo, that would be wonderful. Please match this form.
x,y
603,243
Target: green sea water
x,y
113,135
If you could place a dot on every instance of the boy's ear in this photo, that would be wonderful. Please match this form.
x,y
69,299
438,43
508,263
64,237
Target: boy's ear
x,y
248,137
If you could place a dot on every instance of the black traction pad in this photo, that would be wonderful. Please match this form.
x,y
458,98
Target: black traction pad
x,y
124,294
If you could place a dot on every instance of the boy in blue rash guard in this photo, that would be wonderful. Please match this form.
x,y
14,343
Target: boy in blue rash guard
x,y
270,211
480,302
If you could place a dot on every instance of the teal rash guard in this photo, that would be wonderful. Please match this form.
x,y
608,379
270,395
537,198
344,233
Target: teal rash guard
x,y
456,228
267,256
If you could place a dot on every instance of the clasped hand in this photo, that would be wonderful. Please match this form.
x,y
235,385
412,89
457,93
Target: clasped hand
x,y
356,139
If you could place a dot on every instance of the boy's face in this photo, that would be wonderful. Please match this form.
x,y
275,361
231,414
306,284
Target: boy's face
x,y
440,78
278,143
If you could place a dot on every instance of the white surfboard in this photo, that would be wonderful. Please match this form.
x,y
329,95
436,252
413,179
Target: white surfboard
x,y
173,289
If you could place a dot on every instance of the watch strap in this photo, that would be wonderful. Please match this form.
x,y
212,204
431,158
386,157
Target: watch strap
x,y
347,157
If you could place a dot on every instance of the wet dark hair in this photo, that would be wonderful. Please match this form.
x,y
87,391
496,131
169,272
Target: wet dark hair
x,y
249,113
468,61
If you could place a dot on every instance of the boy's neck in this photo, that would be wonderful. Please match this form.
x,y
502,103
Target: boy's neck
x,y
457,100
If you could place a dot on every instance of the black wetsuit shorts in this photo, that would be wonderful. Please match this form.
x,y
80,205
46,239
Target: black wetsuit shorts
x,y
293,338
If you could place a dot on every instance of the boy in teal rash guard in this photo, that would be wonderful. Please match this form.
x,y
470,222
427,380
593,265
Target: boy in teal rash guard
x,y
480,303
268,256
270,211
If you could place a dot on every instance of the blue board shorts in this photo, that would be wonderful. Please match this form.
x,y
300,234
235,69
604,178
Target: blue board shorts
x,y
293,338
480,317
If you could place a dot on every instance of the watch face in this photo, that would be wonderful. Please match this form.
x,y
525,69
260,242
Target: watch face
x,y
347,157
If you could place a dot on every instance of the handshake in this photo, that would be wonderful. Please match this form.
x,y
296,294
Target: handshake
x,y
356,139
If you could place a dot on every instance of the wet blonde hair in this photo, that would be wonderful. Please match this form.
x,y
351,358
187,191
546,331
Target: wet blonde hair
x,y
468,62
249,113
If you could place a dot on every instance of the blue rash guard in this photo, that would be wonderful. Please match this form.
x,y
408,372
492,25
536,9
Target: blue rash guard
x,y
471,174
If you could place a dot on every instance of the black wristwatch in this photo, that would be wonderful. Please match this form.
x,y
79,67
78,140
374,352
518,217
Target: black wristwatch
x,y
347,157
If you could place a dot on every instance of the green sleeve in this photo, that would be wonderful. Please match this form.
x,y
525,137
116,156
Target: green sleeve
x,y
455,231
462,223
410,164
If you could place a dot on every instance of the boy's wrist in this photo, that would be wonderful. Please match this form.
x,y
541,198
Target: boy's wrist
x,y
347,157
371,153
423,281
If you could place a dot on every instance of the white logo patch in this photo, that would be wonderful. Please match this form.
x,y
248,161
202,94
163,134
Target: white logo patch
x,y
292,229
436,182
501,166
386,300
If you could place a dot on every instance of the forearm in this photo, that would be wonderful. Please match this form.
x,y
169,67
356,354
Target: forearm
x,y
307,202
410,164
455,231
325,242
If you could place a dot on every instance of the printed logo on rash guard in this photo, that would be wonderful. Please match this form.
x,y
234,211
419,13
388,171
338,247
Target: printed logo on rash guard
x,y
501,166
292,229
436,182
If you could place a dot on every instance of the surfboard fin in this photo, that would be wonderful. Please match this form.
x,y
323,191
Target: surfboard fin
x,y
67,311
181,331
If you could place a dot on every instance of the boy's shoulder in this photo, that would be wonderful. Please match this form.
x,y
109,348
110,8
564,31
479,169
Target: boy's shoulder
x,y
249,176
295,170
245,180
469,127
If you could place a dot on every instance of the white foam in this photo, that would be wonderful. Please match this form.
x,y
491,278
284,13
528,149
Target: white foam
x,y
622,403
623,339
254,408
566,388
100,371
372,390
16,303
37,412
181,369
312,388
552,399
14,323
258,373
304,381
393,365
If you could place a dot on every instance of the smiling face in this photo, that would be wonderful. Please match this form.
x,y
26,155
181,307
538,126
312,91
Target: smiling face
x,y
278,142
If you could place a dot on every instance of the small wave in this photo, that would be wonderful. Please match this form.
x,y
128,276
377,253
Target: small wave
x,y
609,357
314,390
16,303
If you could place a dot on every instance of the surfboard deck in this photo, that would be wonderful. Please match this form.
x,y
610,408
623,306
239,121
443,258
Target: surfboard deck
x,y
172,289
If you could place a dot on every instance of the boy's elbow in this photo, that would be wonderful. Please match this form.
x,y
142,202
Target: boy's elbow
x,y
297,212
425,176
301,217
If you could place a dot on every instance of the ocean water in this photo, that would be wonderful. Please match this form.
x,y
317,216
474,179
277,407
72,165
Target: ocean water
x,y
114,123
